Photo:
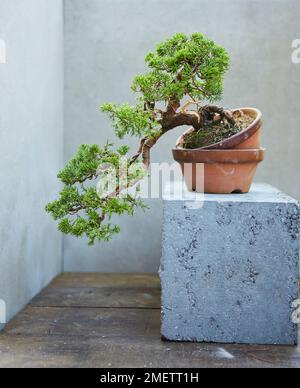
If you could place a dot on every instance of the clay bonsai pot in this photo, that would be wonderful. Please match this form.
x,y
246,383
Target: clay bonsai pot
x,y
225,171
249,138
230,165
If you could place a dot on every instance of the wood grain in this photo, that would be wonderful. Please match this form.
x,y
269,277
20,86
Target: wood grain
x,y
102,290
103,320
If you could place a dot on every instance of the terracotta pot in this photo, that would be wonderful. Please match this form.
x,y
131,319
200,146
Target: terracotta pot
x,y
225,171
249,138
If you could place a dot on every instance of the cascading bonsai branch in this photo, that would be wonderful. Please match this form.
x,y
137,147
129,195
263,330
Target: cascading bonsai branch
x,y
184,71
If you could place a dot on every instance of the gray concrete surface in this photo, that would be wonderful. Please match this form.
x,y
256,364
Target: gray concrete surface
x,y
105,45
31,146
229,270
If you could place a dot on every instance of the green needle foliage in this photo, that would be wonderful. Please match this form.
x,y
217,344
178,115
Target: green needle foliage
x,y
131,120
80,208
182,66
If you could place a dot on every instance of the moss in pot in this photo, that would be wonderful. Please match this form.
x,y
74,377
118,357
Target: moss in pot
x,y
230,154
184,81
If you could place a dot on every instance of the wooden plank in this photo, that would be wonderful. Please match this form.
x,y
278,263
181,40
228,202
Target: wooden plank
x,y
99,297
82,332
83,337
85,322
102,290
106,280
92,352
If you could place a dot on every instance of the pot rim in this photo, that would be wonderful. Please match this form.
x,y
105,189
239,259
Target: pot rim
x,y
234,156
233,140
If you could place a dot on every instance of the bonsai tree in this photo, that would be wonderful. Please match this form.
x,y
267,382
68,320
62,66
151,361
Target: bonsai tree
x,y
184,71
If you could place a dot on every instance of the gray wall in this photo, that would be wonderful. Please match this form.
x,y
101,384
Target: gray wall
x,y
31,138
105,44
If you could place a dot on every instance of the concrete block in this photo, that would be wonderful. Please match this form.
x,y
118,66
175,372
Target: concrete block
x,y
230,269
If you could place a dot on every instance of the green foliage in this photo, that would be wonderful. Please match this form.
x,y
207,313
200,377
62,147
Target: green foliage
x,y
157,86
84,165
181,66
81,209
184,65
89,227
126,205
131,120
69,200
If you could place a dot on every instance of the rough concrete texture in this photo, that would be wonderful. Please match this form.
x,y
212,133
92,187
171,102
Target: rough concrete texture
x,y
31,149
229,270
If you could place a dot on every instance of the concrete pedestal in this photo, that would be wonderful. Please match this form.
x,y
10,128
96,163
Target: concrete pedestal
x,y
230,269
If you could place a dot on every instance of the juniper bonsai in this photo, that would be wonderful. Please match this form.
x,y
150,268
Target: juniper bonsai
x,y
183,71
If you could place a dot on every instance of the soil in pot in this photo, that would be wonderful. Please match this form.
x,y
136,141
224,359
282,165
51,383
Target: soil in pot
x,y
217,132
229,153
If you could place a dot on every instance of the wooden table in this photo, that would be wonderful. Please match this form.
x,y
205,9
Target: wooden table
x,y
113,320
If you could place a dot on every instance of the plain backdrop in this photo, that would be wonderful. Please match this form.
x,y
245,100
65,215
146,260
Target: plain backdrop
x,y
31,146
105,45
